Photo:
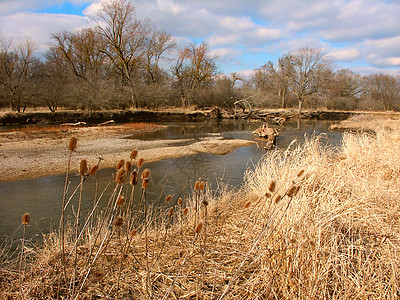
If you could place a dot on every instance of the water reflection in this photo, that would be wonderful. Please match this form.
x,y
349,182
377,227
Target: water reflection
x,y
42,197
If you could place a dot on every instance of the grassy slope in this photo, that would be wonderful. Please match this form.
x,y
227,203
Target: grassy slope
x,y
337,238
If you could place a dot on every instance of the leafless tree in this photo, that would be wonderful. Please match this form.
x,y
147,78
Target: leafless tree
x,y
305,72
159,44
81,52
126,39
15,73
195,68
385,89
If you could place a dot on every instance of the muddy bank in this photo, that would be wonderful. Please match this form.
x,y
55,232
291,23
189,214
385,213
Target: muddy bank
x,y
91,118
125,116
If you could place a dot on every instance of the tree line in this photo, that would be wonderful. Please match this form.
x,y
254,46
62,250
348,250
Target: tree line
x,y
123,62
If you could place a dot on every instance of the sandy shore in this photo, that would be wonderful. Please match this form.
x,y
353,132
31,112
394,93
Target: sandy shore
x,y
25,155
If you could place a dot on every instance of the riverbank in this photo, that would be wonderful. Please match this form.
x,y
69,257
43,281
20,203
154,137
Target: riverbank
x,y
43,152
310,223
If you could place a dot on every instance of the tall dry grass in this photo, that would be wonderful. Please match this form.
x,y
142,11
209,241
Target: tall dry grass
x,y
327,228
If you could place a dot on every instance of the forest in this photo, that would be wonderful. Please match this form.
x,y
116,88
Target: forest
x,y
123,62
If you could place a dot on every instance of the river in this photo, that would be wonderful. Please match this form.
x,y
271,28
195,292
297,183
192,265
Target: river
x,y
42,197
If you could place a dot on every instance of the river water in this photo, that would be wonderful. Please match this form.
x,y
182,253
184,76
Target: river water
x,y
42,197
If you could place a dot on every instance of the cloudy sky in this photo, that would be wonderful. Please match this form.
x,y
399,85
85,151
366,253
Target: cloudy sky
x,y
362,35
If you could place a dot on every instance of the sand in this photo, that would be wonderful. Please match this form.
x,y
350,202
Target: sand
x,y
26,155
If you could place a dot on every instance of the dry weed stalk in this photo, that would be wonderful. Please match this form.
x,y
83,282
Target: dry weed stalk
x,y
25,222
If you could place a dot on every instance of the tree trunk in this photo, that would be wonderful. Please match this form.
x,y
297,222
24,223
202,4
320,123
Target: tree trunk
x,y
300,104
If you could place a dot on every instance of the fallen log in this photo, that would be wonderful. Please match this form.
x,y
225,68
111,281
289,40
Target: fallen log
x,y
269,133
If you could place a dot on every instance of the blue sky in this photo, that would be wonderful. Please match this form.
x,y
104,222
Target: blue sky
x,y
362,35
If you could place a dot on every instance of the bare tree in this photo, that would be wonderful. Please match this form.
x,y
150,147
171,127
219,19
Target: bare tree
x,y
305,69
195,68
126,39
159,44
15,73
80,51
385,89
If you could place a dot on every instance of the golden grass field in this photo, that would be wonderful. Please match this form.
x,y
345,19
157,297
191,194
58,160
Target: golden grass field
x,y
311,222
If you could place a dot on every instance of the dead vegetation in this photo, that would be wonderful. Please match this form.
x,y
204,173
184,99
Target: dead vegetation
x,y
310,223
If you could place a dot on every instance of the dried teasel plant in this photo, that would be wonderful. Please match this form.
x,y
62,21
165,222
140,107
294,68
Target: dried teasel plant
x,y
25,222
140,163
121,176
128,166
293,190
146,173
134,178
168,198
199,227
120,164
119,221
134,154
272,186
93,170
145,183
120,201
72,144
83,167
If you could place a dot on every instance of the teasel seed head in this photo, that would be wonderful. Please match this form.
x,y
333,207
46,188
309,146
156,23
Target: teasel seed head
x,y
146,173
119,221
145,183
133,232
202,186
300,173
171,211
134,178
185,211
120,201
294,189
120,164
205,202
247,205
140,162
272,186
134,154
93,170
72,144
128,166
121,176
199,227
268,195
25,219
83,167
197,186
180,201
277,198
168,198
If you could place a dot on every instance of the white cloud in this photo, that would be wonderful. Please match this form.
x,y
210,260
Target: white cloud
x,y
366,31
344,54
38,27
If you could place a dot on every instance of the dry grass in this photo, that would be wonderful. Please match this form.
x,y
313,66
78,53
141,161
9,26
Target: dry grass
x,y
337,238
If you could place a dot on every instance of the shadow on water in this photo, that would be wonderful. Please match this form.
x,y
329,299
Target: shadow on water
x,y
42,197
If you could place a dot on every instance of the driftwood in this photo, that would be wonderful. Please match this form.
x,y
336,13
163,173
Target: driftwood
x,y
269,133
75,124
106,123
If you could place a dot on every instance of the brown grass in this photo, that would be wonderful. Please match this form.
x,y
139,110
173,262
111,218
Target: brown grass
x,y
336,237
